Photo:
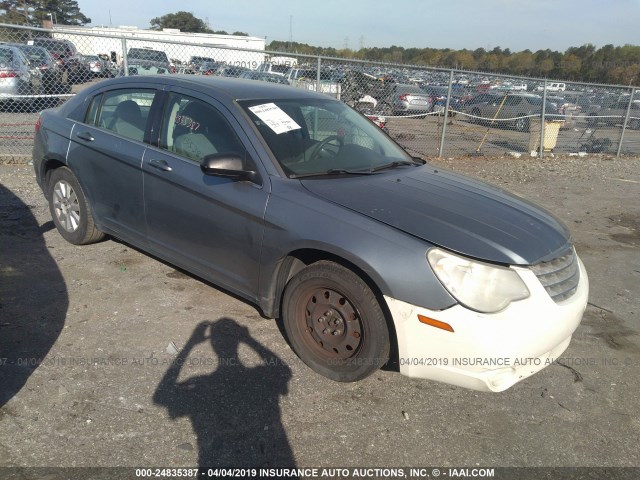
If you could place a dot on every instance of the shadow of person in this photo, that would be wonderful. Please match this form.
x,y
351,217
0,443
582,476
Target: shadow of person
x,y
33,295
235,410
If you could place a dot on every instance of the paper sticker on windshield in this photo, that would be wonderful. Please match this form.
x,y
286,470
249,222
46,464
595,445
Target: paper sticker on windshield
x,y
275,117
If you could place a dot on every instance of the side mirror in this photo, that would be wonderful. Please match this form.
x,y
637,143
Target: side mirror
x,y
230,165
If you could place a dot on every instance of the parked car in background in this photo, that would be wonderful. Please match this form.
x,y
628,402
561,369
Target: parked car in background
x,y
15,76
557,87
210,68
77,69
404,99
232,71
356,85
265,77
195,62
109,64
145,68
295,74
511,110
95,66
148,56
46,74
567,109
615,113
439,96
62,51
295,202
277,68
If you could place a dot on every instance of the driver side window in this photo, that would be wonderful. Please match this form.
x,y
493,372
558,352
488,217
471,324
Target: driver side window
x,y
194,129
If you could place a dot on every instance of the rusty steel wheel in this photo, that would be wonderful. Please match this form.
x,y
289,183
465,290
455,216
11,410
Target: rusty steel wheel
x,y
334,322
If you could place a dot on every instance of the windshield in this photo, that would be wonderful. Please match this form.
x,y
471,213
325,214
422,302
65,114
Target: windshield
x,y
317,137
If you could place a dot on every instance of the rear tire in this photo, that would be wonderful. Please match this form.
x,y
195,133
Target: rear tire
x,y
70,209
334,322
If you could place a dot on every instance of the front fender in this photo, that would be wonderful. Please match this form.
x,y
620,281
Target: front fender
x,y
395,261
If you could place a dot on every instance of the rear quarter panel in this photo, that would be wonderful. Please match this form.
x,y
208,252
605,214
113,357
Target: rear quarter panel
x,y
51,144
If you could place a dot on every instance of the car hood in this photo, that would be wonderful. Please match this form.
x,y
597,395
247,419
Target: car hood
x,y
452,211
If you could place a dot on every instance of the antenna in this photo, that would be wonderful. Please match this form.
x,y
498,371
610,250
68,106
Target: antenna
x,y
290,30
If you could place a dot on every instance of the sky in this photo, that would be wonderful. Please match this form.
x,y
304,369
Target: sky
x,y
456,24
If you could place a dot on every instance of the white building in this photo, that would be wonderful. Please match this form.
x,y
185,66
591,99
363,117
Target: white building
x,y
179,46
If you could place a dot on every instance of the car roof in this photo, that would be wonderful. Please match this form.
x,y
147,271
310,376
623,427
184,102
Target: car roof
x,y
232,88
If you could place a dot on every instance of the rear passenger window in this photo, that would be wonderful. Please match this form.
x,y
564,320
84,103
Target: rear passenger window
x,y
126,112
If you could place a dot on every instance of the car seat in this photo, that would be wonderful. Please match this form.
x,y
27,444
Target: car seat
x,y
128,120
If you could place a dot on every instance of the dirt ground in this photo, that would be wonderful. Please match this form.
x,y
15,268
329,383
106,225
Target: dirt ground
x,y
91,336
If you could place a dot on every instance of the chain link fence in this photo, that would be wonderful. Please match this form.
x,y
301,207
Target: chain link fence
x,y
430,112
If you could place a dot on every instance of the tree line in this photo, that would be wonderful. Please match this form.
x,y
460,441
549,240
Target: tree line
x,y
34,12
608,64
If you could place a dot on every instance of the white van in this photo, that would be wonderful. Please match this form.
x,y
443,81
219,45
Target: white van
x,y
556,87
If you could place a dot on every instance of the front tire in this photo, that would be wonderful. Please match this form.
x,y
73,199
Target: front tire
x,y
334,322
70,209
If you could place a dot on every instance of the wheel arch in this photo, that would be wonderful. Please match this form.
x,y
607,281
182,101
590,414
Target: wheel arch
x,y
296,260
46,167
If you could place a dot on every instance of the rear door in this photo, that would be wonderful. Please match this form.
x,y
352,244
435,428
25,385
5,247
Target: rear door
x,y
106,153
210,225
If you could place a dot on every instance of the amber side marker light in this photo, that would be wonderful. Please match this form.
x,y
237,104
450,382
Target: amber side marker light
x,y
435,323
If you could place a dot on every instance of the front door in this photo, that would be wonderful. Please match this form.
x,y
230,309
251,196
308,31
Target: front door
x,y
207,224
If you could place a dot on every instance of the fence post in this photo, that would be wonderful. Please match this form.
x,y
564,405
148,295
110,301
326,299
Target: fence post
x,y
318,89
626,121
446,114
125,63
544,106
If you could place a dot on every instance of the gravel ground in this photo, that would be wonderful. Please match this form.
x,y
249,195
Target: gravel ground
x,y
103,323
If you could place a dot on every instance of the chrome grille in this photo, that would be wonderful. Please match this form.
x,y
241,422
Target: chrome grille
x,y
559,276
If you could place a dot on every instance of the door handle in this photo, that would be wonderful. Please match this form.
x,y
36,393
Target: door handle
x,y
160,165
85,136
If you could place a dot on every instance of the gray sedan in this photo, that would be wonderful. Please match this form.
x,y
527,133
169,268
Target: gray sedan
x,y
299,204
15,76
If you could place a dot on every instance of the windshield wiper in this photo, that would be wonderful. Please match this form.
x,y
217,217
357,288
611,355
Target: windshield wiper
x,y
333,171
397,163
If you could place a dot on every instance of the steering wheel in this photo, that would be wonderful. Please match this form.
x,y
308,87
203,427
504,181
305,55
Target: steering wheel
x,y
315,151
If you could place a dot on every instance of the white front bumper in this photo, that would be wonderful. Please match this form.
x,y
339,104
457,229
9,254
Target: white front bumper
x,y
488,352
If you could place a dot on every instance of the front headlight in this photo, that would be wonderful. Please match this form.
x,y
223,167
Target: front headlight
x,y
480,286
